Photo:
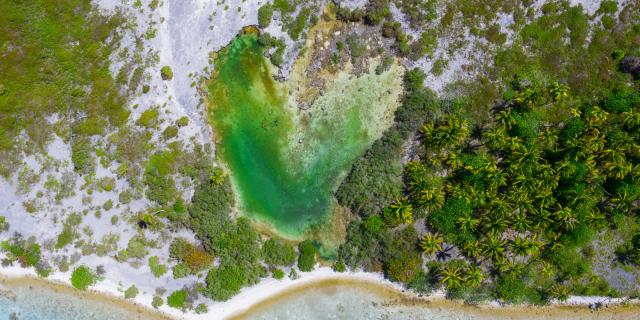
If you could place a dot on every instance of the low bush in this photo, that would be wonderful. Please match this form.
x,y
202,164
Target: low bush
x,y
307,257
82,278
278,253
177,299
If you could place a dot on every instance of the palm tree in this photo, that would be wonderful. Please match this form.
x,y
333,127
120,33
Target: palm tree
x,y
547,269
559,292
506,119
496,138
495,222
431,242
559,91
635,174
527,97
618,169
468,223
431,198
534,246
621,200
520,222
596,116
596,219
631,119
474,276
403,210
451,276
493,246
450,130
519,246
217,177
501,264
453,160
549,137
566,217
472,248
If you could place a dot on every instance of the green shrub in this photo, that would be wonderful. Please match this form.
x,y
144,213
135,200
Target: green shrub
x,y
66,236
265,14
356,48
82,278
512,288
445,219
160,186
27,253
157,269
209,210
225,281
194,258
4,224
149,118
201,308
177,299
299,23
181,270
278,253
166,73
81,156
277,274
339,266
131,292
107,184
182,122
307,257
136,248
157,302
170,132
403,268
107,205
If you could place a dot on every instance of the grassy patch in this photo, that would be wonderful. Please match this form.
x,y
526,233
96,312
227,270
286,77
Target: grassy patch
x,y
54,58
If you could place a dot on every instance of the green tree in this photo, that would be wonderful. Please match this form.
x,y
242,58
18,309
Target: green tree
x,y
474,276
431,243
452,276
493,246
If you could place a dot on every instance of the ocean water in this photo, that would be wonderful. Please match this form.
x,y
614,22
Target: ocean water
x,y
346,300
285,162
34,302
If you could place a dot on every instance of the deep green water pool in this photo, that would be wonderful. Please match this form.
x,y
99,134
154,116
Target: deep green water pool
x,y
285,163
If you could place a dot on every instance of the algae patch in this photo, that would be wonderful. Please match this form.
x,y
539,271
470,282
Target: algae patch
x,y
287,149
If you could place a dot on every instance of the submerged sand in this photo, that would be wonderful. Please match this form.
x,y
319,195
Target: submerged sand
x,y
395,304
11,286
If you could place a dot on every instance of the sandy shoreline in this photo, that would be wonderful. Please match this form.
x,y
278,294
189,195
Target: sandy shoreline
x,y
270,292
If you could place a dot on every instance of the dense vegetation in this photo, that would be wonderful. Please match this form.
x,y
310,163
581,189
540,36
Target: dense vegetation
x,y
512,189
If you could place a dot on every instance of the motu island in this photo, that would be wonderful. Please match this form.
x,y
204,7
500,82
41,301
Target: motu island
x,y
325,159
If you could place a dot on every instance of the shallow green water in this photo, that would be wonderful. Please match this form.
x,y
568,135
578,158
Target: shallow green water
x,y
285,164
